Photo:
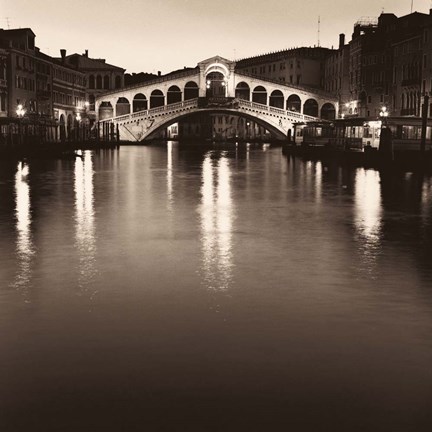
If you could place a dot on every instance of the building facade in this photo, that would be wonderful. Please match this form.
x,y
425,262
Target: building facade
x,y
100,77
297,66
3,83
386,64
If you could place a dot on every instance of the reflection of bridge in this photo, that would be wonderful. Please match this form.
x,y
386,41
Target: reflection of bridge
x,y
213,87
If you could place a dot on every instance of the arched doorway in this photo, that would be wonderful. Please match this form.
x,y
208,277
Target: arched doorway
x,y
277,99
242,91
174,95
259,95
106,110
191,90
62,128
310,108
91,102
122,106
215,84
328,111
139,103
293,103
157,99
69,124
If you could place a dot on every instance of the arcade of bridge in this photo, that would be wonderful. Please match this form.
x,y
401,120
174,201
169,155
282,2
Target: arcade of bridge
x,y
190,84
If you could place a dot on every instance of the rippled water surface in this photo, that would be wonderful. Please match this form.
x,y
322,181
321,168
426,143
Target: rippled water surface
x,y
186,289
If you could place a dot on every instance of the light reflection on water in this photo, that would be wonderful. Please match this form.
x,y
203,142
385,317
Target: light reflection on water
x,y
368,213
24,244
286,249
216,212
85,220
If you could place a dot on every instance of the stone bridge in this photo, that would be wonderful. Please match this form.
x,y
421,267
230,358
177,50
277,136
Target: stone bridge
x,y
213,86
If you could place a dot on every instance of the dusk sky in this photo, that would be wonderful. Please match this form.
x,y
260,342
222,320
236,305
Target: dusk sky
x,y
147,35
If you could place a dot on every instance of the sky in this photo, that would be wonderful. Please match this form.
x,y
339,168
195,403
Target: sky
x,y
165,35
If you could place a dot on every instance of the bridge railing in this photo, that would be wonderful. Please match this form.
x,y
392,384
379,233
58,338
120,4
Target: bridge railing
x,y
153,111
262,107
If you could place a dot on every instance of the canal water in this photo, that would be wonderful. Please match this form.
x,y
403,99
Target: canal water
x,y
170,288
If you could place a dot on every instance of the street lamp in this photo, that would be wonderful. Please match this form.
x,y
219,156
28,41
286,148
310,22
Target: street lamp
x,y
384,114
20,111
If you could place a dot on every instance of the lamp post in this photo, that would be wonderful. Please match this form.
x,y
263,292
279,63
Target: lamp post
x,y
77,129
386,142
20,111
225,86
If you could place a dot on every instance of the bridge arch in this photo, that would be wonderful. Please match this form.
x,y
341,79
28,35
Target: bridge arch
x,y
139,102
242,91
259,95
277,99
328,111
243,119
191,90
157,99
217,67
293,103
174,94
122,106
310,108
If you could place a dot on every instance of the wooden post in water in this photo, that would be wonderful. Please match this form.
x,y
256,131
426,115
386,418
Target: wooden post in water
x,y
386,145
424,123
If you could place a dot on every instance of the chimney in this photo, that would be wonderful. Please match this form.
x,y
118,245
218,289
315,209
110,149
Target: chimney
x,y
63,54
159,73
341,40
86,53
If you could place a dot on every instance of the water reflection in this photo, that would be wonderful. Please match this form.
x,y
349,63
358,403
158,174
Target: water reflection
x,y
216,223
24,244
318,182
84,219
170,146
368,214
